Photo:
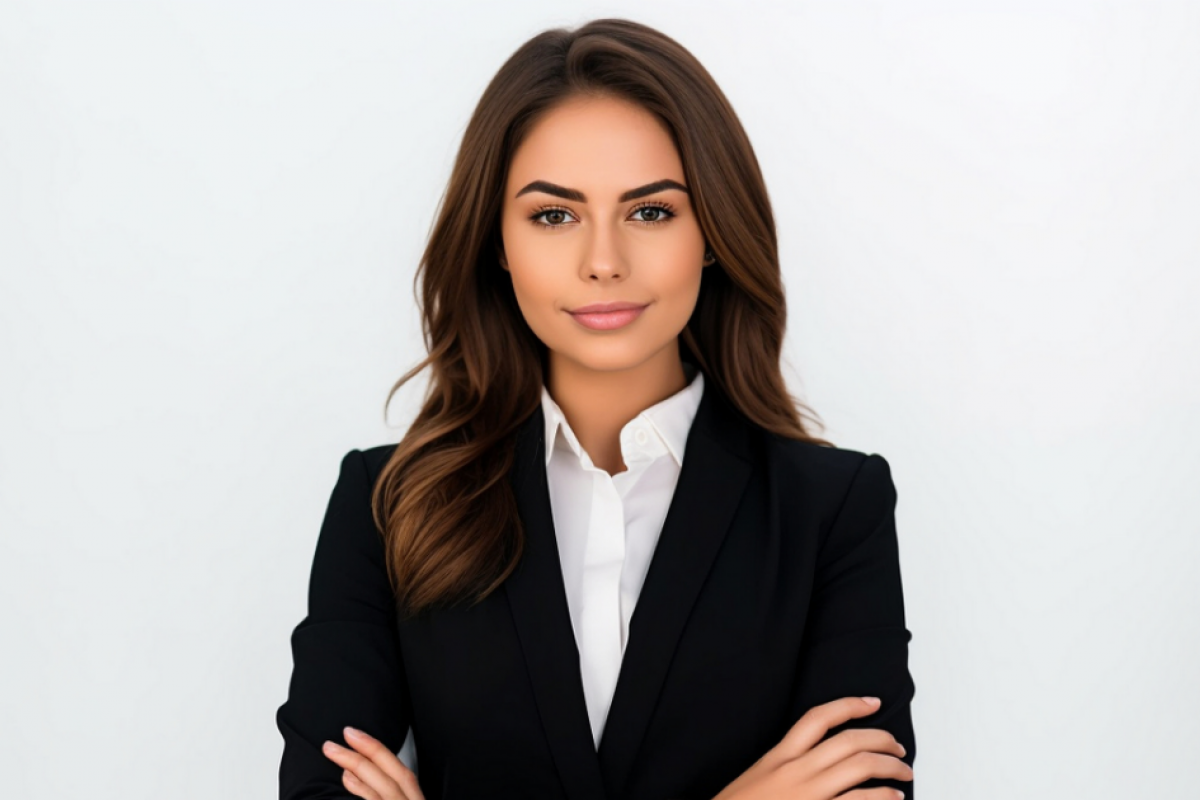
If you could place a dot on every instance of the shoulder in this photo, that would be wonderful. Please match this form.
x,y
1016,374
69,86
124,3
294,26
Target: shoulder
x,y
830,478
368,460
820,463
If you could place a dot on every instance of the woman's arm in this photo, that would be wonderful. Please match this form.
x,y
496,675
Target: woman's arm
x,y
346,652
856,642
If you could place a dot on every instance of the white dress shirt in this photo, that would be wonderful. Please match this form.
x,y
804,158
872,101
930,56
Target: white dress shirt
x,y
608,525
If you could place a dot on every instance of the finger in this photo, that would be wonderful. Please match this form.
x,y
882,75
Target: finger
x,y
852,771
386,760
365,771
848,743
816,722
879,793
357,787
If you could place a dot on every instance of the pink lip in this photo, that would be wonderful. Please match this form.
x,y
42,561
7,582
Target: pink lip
x,y
603,308
608,316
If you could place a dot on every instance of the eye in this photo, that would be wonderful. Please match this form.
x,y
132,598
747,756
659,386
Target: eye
x,y
652,213
658,212
554,216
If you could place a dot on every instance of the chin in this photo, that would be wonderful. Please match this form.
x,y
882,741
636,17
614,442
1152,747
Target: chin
x,y
611,356
603,364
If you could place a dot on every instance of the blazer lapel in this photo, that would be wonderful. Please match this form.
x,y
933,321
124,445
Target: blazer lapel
x,y
538,601
716,468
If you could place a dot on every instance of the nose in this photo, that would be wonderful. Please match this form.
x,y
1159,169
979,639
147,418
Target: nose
x,y
603,259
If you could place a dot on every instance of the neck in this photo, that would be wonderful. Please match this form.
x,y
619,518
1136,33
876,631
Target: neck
x,y
598,403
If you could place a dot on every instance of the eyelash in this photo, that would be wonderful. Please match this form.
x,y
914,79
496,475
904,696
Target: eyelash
x,y
668,214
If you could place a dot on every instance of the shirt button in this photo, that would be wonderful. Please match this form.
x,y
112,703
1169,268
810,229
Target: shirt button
x,y
640,437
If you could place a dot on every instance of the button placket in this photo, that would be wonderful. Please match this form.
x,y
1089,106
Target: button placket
x,y
601,640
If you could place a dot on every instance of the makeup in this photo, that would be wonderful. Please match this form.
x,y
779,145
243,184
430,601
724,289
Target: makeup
x,y
607,316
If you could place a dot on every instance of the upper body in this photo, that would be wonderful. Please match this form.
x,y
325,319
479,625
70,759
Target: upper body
x,y
606,222
774,587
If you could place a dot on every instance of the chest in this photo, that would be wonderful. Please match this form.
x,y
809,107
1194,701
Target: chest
x,y
705,682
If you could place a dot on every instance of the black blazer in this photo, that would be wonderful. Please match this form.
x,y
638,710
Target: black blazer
x,y
775,586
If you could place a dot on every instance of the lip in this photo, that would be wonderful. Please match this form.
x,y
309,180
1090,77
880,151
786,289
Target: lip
x,y
607,316
604,308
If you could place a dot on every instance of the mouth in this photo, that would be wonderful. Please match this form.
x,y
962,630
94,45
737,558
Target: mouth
x,y
607,316
604,308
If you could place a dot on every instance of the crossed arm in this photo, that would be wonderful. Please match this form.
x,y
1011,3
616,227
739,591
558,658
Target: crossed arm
x,y
856,644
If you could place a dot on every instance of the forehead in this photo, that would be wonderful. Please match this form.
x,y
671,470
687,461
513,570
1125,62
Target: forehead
x,y
601,146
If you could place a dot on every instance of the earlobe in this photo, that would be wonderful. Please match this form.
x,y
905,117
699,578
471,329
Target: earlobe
x,y
709,258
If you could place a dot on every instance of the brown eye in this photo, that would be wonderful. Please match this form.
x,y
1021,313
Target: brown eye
x,y
551,217
657,213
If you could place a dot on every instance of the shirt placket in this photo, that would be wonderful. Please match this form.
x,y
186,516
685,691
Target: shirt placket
x,y
604,560
603,557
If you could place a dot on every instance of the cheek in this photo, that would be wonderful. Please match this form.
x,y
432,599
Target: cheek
x,y
528,267
537,295
535,271
680,280
678,258
533,293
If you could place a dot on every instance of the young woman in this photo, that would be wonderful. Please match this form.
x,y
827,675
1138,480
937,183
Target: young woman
x,y
607,560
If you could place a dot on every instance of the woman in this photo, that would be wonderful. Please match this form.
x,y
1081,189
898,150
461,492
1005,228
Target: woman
x,y
606,429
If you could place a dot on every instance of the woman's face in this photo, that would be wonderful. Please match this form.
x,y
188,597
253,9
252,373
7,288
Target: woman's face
x,y
596,210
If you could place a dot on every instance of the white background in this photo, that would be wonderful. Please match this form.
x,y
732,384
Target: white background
x,y
210,216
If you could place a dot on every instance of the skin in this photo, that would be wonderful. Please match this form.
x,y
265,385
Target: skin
x,y
803,766
603,249
600,250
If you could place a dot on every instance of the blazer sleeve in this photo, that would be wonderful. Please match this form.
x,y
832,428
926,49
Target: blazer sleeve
x,y
856,642
346,653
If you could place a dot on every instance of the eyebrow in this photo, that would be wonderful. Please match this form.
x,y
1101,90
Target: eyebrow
x,y
579,197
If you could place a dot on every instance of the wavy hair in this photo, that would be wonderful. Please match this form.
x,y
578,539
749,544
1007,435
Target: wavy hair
x,y
442,502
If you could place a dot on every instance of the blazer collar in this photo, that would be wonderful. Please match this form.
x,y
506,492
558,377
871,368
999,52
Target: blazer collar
x,y
711,482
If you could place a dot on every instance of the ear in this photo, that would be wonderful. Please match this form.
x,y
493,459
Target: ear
x,y
500,258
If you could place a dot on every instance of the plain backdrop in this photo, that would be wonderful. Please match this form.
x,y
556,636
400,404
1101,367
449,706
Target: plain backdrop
x,y
210,218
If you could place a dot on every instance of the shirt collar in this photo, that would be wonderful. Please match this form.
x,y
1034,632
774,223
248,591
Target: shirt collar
x,y
671,418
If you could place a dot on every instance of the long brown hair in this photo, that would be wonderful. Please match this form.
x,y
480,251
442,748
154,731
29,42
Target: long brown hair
x,y
442,502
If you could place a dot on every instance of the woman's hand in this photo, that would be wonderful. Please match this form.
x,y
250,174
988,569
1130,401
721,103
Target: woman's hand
x,y
800,768
372,771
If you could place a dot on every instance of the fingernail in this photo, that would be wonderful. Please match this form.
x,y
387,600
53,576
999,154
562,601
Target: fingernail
x,y
871,700
903,752
331,747
354,733
899,795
